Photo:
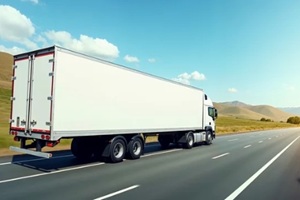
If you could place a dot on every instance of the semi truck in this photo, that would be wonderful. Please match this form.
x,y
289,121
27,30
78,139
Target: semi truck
x,y
108,110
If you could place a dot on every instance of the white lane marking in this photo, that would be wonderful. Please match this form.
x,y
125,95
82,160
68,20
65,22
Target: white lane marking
x,y
74,168
159,153
270,138
233,140
32,160
48,173
118,192
254,176
260,141
219,156
245,147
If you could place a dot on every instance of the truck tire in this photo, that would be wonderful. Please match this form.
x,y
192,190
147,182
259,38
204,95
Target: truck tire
x,y
117,151
135,148
82,149
189,141
209,138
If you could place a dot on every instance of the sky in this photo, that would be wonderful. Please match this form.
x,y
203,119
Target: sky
x,y
244,50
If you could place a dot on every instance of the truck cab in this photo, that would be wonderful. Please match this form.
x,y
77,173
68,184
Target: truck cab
x,y
210,115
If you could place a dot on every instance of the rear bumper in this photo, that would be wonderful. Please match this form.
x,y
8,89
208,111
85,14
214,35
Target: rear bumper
x,y
30,152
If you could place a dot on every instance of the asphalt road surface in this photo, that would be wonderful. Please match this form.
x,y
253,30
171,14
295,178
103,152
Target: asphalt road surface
x,y
257,165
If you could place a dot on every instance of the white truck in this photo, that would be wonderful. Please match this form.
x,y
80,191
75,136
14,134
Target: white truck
x,y
107,109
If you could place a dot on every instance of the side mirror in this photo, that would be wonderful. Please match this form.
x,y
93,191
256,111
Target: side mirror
x,y
216,113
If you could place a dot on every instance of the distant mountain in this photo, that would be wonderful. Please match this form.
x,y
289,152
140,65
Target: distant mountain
x,y
292,110
6,62
235,103
246,111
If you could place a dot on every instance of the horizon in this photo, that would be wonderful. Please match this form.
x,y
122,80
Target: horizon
x,y
232,50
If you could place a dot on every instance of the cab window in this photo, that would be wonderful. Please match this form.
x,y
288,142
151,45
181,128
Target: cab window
x,y
211,112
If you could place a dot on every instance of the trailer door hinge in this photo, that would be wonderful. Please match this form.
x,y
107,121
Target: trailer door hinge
x,y
51,60
12,98
51,74
48,123
11,121
33,123
13,78
49,98
14,66
23,122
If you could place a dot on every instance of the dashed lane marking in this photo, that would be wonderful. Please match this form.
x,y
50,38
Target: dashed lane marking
x,y
118,192
219,156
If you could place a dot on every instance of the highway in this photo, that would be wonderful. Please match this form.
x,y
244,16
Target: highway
x,y
255,165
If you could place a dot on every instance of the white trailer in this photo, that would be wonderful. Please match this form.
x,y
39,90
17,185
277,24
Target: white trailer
x,y
106,108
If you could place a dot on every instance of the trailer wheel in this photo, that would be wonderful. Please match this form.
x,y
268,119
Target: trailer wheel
x,y
117,151
189,140
135,148
82,149
208,138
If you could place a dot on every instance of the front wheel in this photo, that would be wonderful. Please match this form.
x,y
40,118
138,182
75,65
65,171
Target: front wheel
x,y
189,141
209,138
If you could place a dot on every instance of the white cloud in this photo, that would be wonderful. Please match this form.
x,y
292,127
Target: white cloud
x,y
151,60
197,76
16,27
186,77
232,90
18,31
14,50
182,80
92,46
131,59
32,1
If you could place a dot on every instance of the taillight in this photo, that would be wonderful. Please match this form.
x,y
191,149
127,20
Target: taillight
x,y
45,137
14,133
52,144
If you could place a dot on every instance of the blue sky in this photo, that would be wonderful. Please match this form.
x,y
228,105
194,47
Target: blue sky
x,y
245,50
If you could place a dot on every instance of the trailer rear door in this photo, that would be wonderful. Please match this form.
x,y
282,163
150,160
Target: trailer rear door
x,y
32,92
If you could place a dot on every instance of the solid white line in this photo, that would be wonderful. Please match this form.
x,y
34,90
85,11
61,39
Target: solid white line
x,y
233,140
68,169
49,173
254,176
32,160
164,152
260,141
270,138
219,156
245,147
118,192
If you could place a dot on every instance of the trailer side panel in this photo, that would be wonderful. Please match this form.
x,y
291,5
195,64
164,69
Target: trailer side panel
x,y
93,97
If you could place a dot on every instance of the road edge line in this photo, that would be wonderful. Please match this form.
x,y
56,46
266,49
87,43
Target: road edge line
x,y
240,189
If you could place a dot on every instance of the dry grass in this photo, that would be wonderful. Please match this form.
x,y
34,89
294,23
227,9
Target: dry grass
x,y
226,125
6,62
253,112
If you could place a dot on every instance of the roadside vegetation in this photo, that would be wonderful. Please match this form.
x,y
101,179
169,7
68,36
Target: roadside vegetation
x,y
227,125
294,120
